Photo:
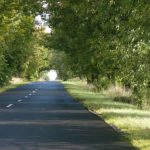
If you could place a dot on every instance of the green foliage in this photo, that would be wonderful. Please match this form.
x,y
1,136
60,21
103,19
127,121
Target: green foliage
x,y
104,41
21,51
107,41
60,62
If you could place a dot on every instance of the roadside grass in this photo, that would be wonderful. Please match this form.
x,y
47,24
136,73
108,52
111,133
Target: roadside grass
x,y
11,86
127,118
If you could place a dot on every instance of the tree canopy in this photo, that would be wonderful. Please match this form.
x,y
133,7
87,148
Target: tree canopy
x,y
107,41
20,42
104,41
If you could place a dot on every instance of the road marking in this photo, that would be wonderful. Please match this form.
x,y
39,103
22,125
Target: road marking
x,y
9,105
19,100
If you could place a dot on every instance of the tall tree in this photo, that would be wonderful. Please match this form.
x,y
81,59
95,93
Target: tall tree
x,y
106,39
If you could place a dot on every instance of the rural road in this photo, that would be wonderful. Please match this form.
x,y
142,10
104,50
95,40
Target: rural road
x,y
42,116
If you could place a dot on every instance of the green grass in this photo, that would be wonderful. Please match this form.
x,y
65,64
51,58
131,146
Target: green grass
x,y
11,86
133,122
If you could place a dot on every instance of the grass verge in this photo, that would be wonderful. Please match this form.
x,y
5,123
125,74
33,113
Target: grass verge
x,y
11,86
135,123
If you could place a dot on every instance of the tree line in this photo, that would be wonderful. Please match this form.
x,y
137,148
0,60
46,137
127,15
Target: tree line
x,y
22,53
106,41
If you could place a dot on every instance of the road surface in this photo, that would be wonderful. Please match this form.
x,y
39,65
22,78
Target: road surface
x,y
42,116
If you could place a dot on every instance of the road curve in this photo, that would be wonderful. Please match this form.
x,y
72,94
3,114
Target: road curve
x,y
42,116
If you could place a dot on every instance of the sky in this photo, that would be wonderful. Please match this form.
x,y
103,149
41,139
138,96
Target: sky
x,y
42,23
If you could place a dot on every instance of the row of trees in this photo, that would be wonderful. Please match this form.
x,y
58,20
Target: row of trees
x,y
21,50
106,41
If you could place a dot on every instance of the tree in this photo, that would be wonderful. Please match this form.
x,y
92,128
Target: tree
x,y
106,40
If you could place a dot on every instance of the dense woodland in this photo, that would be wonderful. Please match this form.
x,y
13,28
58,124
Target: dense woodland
x,y
105,41
22,52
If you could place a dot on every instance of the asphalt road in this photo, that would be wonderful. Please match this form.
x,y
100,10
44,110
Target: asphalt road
x,y
42,116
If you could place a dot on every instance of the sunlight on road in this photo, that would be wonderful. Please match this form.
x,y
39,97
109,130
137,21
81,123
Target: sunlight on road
x,y
52,74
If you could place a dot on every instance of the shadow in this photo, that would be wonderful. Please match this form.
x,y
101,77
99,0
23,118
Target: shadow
x,y
58,129
124,114
101,101
119,113
51,119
